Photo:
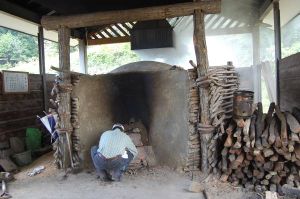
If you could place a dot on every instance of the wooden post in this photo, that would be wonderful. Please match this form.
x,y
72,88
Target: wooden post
x,y
64,109
82,56
42,66
256,62
64,51
277,31
202,68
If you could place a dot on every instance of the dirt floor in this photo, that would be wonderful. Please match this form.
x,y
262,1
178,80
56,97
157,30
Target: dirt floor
x,y
159,182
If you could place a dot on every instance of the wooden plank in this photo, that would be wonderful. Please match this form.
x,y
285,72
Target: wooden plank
x,y
108,33
20,97
277,32
114,31
64,49
139,14
14,106
108,40
14,130
289,82
8,115
122,30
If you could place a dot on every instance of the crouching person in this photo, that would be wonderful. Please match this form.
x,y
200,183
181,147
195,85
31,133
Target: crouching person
x,y
114,153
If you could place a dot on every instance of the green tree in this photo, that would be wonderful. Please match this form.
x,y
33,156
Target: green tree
x,y
15,47
105,58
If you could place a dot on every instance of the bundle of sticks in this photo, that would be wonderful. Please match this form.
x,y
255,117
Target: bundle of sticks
x,y
262,152
193,159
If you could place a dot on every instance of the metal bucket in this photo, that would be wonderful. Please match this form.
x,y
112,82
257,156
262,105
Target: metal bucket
x,y
242,104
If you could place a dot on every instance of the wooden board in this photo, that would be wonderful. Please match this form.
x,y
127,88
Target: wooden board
x,y
139,14
289,82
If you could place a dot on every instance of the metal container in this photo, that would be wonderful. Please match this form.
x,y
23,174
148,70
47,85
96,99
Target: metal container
x,y
243,104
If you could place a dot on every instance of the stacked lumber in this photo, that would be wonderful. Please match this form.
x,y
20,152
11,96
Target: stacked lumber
x,y
262,152
193,159
145,157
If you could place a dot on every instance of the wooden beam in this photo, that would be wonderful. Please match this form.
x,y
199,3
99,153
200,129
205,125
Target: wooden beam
x,y
202,69
16,10
42,66
114,31
111,40
139,14
122,30
256,60
82,56
265,9
64,50
277,31
64,126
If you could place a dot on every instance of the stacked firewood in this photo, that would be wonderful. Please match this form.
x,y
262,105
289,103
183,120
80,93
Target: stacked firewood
x,y
139,136
193,160
223,81
262,152
75,79
145,156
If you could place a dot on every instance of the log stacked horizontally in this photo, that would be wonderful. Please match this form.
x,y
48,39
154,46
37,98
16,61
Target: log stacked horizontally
x,y
262,152
193,160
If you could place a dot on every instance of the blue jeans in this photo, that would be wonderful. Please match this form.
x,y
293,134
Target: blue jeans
x,y
110,169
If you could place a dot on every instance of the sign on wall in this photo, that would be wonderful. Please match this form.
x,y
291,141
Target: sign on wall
x,y
15,82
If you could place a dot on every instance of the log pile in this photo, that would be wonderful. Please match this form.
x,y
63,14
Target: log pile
x,y
193,159
262,152
75,79
139,136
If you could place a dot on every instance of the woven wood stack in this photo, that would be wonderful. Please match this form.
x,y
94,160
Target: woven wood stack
x,y
223,82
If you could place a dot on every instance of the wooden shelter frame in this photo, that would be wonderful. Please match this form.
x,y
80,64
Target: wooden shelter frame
x,y
197,8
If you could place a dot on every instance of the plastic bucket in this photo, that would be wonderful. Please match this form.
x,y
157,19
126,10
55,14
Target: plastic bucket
x,y
33,139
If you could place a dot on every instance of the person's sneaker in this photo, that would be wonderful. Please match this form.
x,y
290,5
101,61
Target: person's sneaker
x,y
116,179
103,178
